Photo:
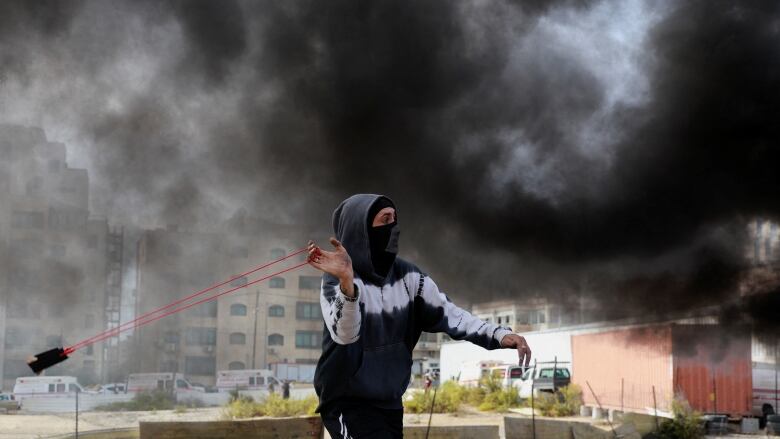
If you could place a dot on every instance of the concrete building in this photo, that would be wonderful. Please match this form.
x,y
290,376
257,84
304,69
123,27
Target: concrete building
x,y
54,267
764,244
274,321
524,315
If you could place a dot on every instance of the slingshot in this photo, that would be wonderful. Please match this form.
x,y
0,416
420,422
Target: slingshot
x,y
44,360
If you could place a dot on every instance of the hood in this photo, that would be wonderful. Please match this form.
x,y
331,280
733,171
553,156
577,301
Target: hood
x,y
350,224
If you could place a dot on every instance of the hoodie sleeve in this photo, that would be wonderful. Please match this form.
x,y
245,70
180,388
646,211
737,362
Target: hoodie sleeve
x,y
441,315
341,312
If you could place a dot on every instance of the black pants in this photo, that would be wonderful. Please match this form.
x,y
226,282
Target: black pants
x,y
362,421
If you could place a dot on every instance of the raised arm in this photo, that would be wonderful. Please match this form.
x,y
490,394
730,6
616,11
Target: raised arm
x,y
441,315
339,292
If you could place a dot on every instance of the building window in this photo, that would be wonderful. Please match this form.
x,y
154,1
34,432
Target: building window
x,y
507,320
202,336
236,365
308,339
522,318
499,320
428,337
276,340
239,281
171,337
27,220
237,338
276,311
57,251
309,282
173,250
276,282
208,309
237,309
33,186
169,366
277,253
200,365
308,311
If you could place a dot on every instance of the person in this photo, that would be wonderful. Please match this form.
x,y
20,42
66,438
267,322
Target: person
x,y
375,306
272,386
428,382
286,389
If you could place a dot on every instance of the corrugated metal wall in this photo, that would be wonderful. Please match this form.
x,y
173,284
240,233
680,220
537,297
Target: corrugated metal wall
x,y
713,368
708,365
636,359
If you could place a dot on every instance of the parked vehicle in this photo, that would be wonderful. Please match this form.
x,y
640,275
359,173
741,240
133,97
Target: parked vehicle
x,y
248,379
8,402
167,381
766,380
302,373
46,386
548,376
112,388
472,372
456,356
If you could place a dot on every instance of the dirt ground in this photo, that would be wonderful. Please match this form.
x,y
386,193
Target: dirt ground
x,y
35,426
29,426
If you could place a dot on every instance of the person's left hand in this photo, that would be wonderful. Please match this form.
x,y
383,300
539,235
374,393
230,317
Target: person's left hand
x,y
523,351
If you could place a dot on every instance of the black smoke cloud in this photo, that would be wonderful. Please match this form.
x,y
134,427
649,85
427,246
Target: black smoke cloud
x,y
523,158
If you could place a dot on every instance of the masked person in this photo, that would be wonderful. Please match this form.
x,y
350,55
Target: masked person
x,y
375,307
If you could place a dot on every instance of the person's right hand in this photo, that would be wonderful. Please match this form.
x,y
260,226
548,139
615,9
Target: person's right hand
x,y
336,263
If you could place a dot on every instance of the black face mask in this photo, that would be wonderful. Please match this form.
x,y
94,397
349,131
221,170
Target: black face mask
x,y
384,246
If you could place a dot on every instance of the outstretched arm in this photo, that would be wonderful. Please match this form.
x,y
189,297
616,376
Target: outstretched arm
x,y
339,294
441,315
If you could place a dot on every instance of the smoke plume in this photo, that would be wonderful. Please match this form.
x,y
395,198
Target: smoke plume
x,y
611,149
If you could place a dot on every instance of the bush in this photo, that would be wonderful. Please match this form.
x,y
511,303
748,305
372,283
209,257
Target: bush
x,y
488,396
143,401
500,400
448,399
565,402
686,424
273,405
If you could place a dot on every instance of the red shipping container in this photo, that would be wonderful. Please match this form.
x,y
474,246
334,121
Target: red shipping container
x,y
705,364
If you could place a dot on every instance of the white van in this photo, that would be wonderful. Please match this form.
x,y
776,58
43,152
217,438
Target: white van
x,y
472,372
46,386
147,382
250,379
765,389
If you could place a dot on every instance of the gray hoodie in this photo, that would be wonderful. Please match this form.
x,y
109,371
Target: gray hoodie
x,y
368,341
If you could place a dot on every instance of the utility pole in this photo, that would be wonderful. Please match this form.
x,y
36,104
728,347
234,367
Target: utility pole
x,y
254,338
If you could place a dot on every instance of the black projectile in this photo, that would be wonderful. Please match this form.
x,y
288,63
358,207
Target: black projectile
x,y
45,360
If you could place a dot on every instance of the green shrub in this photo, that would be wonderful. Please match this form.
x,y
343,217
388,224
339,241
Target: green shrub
x,y
500,400
143,401
488,396
565,402
273,405
686,424
448,399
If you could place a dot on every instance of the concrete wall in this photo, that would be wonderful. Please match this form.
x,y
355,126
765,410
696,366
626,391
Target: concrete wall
x,y
292,428
517,428
459,432
310,427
